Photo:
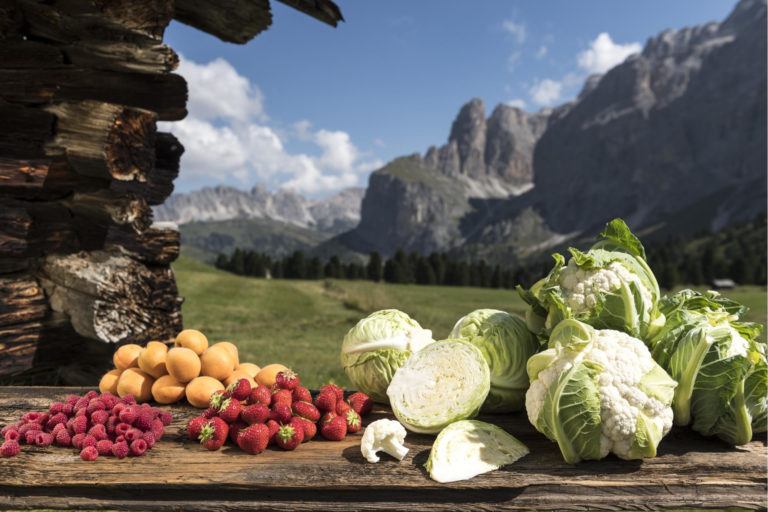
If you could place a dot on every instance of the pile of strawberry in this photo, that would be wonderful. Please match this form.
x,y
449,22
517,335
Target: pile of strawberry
x,y
94,424
284,415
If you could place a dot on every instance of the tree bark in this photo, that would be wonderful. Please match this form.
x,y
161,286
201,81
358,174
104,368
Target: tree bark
x,y
111,297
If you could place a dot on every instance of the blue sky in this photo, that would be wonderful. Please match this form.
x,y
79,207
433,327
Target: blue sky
x,y
314,108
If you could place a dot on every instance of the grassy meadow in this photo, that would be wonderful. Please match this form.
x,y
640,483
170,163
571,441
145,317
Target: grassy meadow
x,y
301,323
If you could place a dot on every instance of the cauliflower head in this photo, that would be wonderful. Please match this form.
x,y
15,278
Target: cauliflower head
x,y
599,391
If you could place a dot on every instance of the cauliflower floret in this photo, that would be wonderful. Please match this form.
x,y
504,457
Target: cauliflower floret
x,y
624,360
580,287
386,436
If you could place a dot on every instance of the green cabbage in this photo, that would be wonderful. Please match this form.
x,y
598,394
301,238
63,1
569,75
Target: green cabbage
x,y
506,344
467,448
609,287
444,382
720,365
377,346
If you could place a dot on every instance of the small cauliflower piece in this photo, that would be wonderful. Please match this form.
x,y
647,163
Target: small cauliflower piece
x,y
383,436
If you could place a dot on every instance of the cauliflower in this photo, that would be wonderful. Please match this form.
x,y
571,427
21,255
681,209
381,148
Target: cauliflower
x,y
383,435
581,287
599,391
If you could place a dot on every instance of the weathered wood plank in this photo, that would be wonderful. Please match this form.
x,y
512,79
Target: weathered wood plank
x,y
22,299
164,93
158,245
25,131
27,229
323,10
95,212
690,472
236,22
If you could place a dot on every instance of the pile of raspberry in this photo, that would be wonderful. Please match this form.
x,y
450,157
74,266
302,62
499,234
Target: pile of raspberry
x,y
285,415
96,424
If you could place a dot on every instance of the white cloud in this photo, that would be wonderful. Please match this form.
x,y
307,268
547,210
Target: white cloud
x,y
546,92
515,29
517,102
542,51
380,142
226,138
512,61
603,54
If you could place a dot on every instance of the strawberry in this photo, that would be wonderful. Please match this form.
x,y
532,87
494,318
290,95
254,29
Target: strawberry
x,y
260,395
213,434
194,426
9,449
229,410
273,427
326,400
353,421
282,396
290,436
301,394
235,428
310,429
256,413
89,453
287,379
306,410
336,390
361,403
240,389
342,408
333,427
209,413
253,439
280,413
217,398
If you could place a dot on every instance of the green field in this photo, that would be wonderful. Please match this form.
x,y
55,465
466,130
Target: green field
x,y
302,323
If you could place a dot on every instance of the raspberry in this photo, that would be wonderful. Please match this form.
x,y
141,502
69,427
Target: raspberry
x,y
128,399
6,429
29,427
43,439
111,423
120,439
77,441
166,417
71,399
30,417
120,449
68,409
56,419
98,432
122,428
56,408
9,449
133,434
63,438
143,421
95,405
138,447
157,429
109,400
104,447
56,429
80,425
29,436
12,435
149,438
89,453
89,441
127,416
82,403
99,417
119,406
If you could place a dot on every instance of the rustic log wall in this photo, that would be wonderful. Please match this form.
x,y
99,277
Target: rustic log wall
x,y
82,86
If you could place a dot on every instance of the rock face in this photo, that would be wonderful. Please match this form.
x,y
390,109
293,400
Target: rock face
x,y
680,127
673,140
335,214
418,202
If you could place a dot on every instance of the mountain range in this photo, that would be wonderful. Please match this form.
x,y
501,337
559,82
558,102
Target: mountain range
x,y
673,140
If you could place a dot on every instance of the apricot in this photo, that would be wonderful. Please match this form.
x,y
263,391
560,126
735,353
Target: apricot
x,y
237,375
152,359
167,390
193,340
183,364
200,389
249,368
217,362
109,381
232,350
136,382
268,374
126,356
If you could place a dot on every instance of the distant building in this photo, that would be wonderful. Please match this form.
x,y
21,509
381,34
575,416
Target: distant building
x,y
723,284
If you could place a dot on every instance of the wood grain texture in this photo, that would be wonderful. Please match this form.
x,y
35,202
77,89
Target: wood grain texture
x,y
690,472
237,21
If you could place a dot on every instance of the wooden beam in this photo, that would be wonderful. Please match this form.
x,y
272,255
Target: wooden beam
x,y
323,10
97,211
236,21
23,299
30,228
24,131
158,245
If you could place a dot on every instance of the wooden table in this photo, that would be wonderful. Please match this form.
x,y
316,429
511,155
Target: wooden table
x,y
690,472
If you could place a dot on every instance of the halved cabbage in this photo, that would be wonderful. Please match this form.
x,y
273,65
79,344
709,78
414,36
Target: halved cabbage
x,y
377,346
444,382
468,448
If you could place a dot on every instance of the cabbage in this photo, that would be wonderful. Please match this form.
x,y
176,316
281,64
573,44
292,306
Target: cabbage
x,y
609,287
720,365
444,382
506,344
377,346
468,448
